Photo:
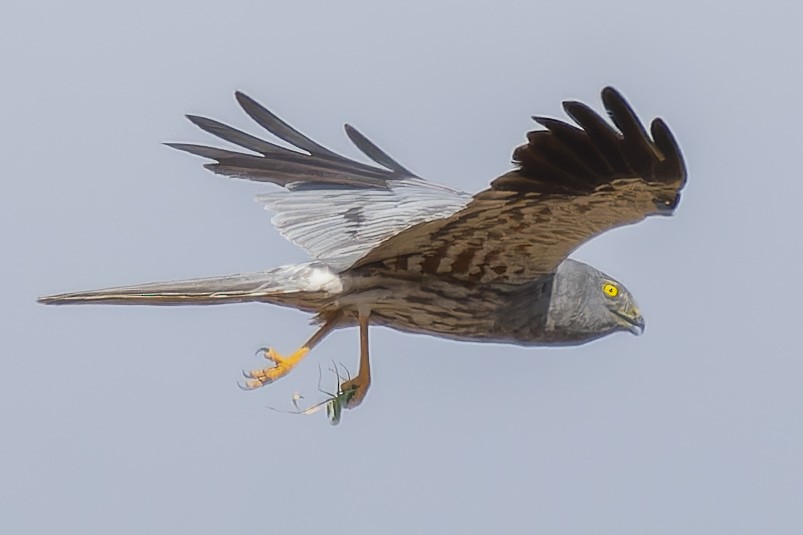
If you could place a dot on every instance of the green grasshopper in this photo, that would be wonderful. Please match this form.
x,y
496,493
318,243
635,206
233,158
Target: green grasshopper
x,y
334,404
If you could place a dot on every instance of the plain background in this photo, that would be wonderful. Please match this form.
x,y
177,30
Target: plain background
x,y
129,420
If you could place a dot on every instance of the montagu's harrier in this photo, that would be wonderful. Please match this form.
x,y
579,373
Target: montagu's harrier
x,y
390,248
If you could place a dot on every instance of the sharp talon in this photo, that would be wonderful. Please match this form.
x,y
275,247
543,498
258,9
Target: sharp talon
x,y
247,375
268,354
251,384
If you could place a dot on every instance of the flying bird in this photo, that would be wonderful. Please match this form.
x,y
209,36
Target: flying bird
x,y
390,248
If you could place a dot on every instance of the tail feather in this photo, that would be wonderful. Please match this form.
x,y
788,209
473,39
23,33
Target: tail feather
x,y
300,285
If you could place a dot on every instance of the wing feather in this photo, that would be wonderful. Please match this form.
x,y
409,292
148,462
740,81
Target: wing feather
x,y
340,225
310,163
672,165
235,136
600,133
571,184
270,122
375,153
336,208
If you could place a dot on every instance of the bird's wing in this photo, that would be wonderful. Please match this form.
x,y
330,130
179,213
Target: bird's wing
x,y
336,208
571,184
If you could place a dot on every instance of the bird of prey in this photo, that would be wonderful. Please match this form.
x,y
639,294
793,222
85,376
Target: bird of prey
x,y
390,248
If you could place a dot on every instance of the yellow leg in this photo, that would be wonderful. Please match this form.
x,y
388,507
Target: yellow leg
x,y
283,365
363,379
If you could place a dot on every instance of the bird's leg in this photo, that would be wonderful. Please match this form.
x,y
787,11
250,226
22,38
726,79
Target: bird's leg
x,y
283,365
362,381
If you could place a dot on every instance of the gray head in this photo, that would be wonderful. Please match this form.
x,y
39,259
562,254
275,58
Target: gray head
x,y
586,304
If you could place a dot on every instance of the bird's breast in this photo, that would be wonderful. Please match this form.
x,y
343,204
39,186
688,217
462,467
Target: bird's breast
x,y
451,309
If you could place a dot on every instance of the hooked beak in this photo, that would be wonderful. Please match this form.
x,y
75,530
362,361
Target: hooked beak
x,y
633,321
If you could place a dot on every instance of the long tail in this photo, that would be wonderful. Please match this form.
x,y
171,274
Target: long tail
x,y
302,286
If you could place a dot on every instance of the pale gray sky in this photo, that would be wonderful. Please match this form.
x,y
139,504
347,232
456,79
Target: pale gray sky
x,y
129,420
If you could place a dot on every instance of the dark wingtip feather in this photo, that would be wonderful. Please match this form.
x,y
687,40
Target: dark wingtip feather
x,y
238,137
611,93
244,100
273,124
202,150
571,158
636,146
623,116
673,163
310,162
370,149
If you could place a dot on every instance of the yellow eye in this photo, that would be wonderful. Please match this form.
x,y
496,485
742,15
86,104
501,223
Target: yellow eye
x,y
610,290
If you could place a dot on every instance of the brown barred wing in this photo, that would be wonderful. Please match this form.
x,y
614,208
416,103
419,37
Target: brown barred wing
x,y
572,184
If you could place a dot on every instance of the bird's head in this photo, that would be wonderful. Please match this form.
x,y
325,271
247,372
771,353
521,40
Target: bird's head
x,y
586,304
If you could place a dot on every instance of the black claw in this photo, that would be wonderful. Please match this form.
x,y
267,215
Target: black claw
x,y
262,350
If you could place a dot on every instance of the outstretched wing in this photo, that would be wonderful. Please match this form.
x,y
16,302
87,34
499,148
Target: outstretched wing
x,y
336,208
571,185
